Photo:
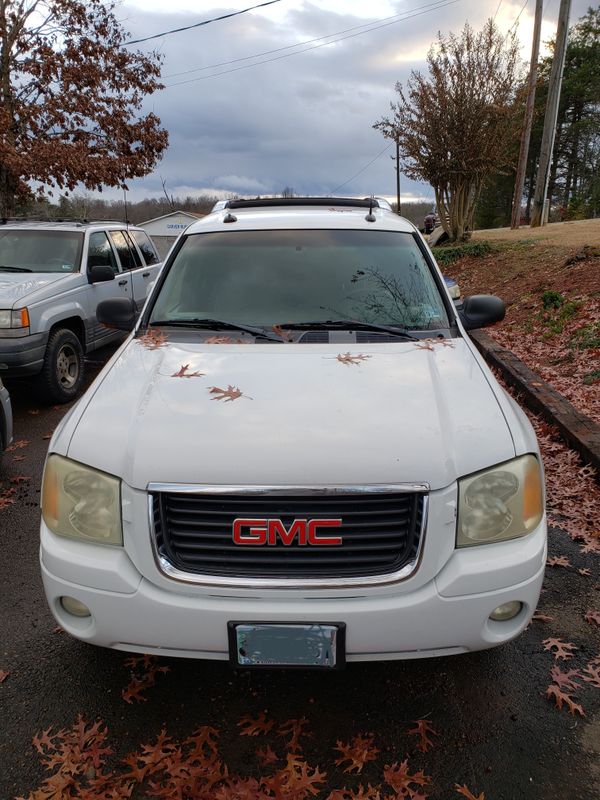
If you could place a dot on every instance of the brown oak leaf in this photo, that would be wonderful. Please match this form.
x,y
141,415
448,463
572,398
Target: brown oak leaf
x,y
424,729
3,675
222,340
593,617
558,561
542,618
591,674
348,358
254,727
153,339
18,444
228,395
565,679
399,778
17,479
361,793
294,728
182,372
266,755
559,648
584,571
357,752
560,698
467,792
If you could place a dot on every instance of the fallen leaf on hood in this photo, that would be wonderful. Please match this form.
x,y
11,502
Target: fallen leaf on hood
x,y
287,336
222,340
348,358
228,395
183,373
153,339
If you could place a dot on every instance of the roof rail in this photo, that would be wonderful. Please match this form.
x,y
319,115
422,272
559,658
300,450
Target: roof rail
x,y
270,202
59,220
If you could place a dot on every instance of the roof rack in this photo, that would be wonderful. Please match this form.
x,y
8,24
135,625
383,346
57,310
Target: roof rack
x,y
61,220
269,202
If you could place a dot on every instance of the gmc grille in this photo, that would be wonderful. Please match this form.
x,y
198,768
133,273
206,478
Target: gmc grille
x,y
380,534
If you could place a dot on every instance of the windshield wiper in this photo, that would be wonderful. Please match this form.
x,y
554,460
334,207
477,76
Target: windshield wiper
x,y
219,325
4,268
351,324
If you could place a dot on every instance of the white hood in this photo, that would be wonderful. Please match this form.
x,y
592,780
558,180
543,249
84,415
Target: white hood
x,y
404,414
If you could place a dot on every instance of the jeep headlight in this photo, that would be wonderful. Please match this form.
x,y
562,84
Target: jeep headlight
x,y
14,318
504,502
81,502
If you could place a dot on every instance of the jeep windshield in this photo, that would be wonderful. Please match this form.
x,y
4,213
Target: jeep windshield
x,y
279,277
40,250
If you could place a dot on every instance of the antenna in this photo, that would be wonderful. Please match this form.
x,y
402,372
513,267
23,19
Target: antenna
x,y
372,203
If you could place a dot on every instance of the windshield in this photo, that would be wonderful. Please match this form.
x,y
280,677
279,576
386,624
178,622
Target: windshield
x,y
277,277
40,251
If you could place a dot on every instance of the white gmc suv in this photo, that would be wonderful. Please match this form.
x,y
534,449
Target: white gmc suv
x,y
298,457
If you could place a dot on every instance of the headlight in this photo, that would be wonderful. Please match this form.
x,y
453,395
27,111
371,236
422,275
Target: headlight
x,y
11,318
504,502
81,503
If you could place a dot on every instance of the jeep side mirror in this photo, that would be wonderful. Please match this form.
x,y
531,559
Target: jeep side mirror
x,y
118,312
481,310
100,274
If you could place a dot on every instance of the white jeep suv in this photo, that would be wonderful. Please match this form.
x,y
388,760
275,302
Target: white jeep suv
x,y
298,457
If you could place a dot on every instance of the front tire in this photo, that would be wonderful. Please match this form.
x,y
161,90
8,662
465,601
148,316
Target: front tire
x,y
62,374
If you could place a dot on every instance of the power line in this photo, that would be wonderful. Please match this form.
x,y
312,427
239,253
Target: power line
x,y
518,16
497,10
433,7
360,171
298,44
200,24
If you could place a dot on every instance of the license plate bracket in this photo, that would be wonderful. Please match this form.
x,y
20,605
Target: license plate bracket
x,y
287,645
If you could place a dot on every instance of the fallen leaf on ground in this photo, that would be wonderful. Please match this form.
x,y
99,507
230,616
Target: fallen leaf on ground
x,y
424,729
357,752
17,479
19,444
467,793
559,648
558,561
591,674
565,679
593,617
402,782
294,729
542,617
3,675
255,727
556,693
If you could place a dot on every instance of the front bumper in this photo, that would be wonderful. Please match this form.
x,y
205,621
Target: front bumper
x,y
447,614
21,356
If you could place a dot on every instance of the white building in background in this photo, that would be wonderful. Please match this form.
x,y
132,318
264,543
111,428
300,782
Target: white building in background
x,y
164,230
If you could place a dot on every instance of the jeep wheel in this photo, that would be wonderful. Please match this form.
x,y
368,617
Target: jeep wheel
x,y
62,373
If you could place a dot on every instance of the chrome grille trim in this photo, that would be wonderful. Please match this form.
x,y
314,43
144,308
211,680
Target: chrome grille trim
x,y
224,582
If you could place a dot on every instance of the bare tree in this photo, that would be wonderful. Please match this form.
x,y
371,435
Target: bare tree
x,y
456,126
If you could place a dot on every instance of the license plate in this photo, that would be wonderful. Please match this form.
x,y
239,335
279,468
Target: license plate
x,y
297,644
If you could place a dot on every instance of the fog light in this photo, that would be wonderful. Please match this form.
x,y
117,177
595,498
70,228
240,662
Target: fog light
x,y
75,607
506,611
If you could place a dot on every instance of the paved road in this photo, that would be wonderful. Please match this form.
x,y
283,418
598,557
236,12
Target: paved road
x,y
497,733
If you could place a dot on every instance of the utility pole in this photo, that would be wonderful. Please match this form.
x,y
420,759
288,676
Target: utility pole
x,y
398,203
554,86
527,121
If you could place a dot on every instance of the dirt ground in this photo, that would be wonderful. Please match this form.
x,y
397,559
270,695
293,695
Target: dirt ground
x,y
551,288
563,234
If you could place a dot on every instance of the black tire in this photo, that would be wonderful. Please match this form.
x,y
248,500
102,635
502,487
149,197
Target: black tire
x,y
62,374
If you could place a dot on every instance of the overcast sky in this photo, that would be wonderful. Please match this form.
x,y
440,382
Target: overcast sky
x,y
302,121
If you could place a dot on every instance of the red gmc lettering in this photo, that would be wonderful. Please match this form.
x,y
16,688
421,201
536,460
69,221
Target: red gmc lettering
x,y
272,531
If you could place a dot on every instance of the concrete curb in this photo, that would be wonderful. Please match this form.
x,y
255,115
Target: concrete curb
x,y
581,432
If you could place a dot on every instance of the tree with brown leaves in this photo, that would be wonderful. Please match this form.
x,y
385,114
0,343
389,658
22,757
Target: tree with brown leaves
x,y
455,127
70,93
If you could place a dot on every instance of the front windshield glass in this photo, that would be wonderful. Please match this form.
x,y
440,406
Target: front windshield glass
x,y
287,276
40,251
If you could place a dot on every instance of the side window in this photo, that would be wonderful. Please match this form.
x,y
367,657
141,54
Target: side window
x,y
146,246
123,250
134,252
100,253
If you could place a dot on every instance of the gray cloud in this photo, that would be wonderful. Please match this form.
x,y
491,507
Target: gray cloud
x,y
304,121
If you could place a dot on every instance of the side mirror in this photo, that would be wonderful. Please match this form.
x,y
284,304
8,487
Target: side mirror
x,y
118,312
481,310
100,274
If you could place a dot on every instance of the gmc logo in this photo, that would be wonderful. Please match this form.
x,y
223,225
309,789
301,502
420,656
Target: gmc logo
x,y
273,531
